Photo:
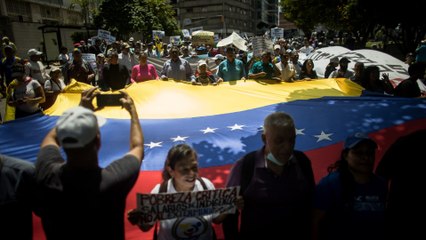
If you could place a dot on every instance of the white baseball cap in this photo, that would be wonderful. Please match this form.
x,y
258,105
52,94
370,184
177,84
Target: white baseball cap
x,y
76,127
218,56
202,62
33,52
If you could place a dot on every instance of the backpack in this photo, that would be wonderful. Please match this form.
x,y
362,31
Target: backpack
x,y
163,189
230,224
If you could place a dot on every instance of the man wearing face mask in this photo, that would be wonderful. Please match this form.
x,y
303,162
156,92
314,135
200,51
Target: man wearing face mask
x,y
277,185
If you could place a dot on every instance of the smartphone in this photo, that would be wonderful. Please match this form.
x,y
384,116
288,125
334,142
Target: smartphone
x,y
109,99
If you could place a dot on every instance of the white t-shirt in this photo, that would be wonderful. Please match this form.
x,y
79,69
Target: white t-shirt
x,y
27,90
37,71
49,85
287,72
194,228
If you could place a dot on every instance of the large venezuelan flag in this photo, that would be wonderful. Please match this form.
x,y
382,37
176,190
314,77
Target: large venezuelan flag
x,y
224,122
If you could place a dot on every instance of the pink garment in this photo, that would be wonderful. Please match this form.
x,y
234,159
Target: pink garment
x,y
144,73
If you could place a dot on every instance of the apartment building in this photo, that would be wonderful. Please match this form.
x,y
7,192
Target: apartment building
x,y
21,20
226,16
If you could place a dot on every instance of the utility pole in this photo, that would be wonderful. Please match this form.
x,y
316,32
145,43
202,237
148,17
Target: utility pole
x,y
224,31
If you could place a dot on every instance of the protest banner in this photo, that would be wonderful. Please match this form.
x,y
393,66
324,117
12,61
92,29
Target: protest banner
x,y
186,33
261,44
163,206
202,38
277,33
91,59
158,34
388,64
105,35
175,40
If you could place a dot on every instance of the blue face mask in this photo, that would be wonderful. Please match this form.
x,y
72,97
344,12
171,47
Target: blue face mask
x,y
271,158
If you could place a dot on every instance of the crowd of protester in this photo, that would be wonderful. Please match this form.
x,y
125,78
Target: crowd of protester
x,y
281,194
121,63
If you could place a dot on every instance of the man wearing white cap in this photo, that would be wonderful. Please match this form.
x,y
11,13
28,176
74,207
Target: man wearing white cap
x,y
35,68
218,58
77,199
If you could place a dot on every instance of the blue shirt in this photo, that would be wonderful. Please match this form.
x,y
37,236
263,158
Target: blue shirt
x,y
259,66
360,217
230,71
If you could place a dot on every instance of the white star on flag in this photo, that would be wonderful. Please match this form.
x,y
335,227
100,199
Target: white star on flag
x,y
236,127
323,136
179,138
208,130
300,131
152,145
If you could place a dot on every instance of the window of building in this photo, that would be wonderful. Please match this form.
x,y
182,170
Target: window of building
x,y
58,2
73,18
49,12
18,8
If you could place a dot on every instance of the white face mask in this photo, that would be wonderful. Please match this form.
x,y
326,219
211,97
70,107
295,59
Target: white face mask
x,y
271,158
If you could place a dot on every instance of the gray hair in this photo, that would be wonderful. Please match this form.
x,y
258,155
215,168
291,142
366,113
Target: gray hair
x,y
278,119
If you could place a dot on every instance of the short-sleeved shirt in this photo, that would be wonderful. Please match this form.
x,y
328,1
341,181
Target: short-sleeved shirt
x,y
51,85
83,203
178,70
37,71
79,71
230,71
259,66
196,228
27,90
287,71
363,218
144,73
335,74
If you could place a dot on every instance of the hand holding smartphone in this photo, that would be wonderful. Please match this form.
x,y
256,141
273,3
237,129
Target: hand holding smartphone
x,y
109,99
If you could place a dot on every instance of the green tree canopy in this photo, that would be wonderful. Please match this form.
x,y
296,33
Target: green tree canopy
x,y
362,18
128,16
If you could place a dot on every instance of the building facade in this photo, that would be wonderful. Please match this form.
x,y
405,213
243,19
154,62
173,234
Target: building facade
x,y
20,21
226,16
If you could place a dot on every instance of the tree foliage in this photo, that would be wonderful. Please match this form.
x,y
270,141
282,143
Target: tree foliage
x,y
362,18
114,16
88,8
128,16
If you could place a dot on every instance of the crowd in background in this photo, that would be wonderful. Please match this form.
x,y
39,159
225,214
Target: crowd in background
x,y
280,196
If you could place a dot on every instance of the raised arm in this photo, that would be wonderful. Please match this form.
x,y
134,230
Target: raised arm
x,y
50,139
136,135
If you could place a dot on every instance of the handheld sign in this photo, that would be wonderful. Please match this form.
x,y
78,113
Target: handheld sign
x,y
163,206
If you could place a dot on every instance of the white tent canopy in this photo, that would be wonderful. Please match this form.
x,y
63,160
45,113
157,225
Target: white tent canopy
x,y
235,40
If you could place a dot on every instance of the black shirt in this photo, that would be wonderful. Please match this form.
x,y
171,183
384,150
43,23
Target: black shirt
x,y
115,76
83,204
